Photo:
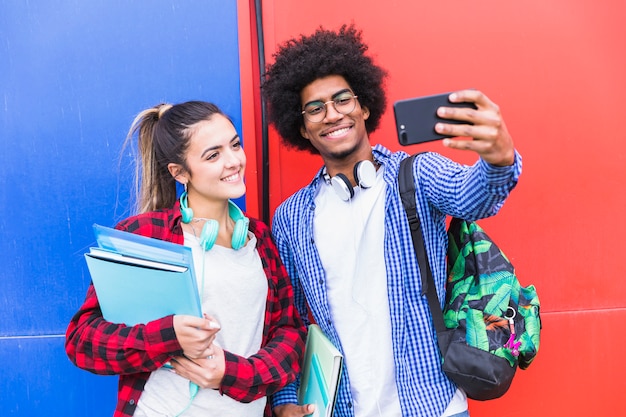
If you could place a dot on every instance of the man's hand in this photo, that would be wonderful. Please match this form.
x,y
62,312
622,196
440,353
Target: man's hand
x,y
293,410
491,140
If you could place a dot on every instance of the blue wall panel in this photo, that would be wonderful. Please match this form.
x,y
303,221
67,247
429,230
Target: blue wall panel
x,y
38,380
72,76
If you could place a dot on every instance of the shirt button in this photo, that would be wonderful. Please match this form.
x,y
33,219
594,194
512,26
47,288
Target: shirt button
x,y
321,281
329,321
349,405
131,402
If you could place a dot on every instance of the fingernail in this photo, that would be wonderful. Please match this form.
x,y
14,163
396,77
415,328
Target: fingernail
x,y
452,97
214,325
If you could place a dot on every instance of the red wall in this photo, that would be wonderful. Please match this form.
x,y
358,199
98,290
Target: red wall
x,y
558,71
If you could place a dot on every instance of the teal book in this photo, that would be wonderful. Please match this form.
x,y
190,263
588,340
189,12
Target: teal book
x,y
321,371
140,279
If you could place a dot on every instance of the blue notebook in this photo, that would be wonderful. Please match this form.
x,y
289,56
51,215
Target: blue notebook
x,y
139,279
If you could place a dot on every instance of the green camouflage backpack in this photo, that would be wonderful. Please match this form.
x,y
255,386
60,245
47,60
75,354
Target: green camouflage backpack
x,y
490,324
484,297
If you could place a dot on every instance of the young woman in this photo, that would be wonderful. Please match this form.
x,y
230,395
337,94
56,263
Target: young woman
x,y
250,341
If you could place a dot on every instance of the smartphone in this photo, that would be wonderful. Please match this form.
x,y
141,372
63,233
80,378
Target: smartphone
x,y
416,118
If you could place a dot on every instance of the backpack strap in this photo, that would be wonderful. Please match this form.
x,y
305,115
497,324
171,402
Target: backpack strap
x,y
406,184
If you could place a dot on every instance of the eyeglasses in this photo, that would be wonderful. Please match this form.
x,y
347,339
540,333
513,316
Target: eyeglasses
x,y
343,103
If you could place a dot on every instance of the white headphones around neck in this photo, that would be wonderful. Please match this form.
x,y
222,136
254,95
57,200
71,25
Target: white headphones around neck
x,y
364,175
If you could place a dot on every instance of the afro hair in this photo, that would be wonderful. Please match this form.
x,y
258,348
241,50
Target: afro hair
x,y
300,61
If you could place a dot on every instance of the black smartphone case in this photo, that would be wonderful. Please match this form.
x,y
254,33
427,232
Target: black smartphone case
x,y
416,118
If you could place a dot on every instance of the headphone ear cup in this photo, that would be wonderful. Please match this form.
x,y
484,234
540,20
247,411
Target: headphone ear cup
x,y
240,233
341,185
186,212
365,173
208,236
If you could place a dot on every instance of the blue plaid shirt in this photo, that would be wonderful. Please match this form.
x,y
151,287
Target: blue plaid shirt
x,y
443,187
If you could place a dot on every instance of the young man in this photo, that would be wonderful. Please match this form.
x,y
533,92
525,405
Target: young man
x,y
344,238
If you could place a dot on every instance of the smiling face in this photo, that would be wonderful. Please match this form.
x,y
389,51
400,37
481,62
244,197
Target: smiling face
x,y
339,138
216,163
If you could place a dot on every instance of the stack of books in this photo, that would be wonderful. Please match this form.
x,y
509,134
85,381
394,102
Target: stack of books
x,y
140,279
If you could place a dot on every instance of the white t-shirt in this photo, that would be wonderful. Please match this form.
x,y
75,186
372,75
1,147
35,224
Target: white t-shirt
x,y
350,241
235,294
349,237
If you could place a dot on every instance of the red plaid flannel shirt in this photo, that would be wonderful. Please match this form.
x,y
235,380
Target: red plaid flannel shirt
x,y
133,352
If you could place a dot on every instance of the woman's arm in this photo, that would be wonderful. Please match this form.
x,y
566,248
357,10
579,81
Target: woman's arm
x,y
106,348
277,363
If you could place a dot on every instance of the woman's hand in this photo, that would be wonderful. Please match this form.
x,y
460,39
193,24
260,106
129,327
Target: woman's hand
x,y
206,372
196,335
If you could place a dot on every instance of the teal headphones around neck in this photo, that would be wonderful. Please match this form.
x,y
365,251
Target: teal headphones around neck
x,y
208,236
